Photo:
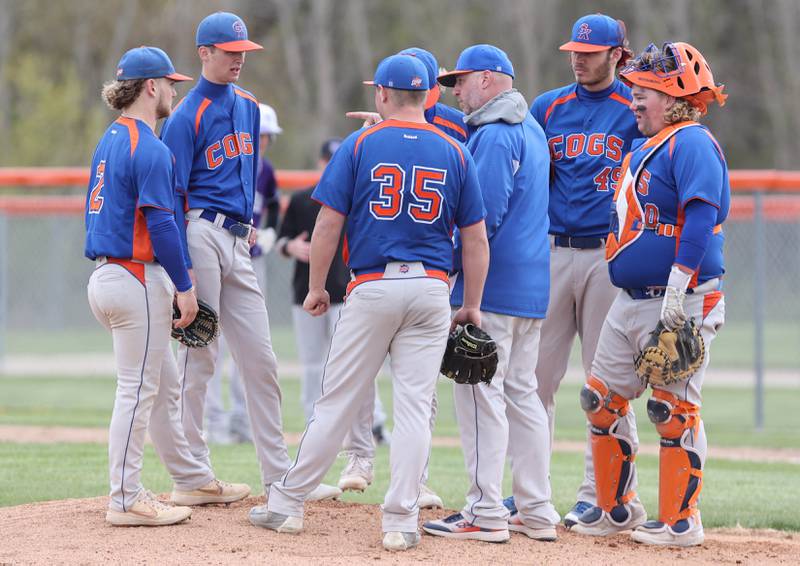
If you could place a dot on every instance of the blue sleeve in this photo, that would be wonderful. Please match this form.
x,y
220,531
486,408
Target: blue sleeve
x,y
335,188
494,164
698,226
179,136
256,149
152,172
538,108
180,221
470,206
163,235
697,167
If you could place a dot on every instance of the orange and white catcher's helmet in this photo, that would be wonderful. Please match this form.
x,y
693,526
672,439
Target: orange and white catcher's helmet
x,y
677,69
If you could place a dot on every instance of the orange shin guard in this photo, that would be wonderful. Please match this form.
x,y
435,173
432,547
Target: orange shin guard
x,y
680,474
612,452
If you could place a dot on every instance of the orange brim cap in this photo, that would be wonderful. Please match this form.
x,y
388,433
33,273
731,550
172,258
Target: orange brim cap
x,y
449,79
239,46
179,77
433,96
583,47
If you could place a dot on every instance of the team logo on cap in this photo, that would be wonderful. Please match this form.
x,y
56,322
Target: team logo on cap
x,y
119,71
416,81
584,31
239,30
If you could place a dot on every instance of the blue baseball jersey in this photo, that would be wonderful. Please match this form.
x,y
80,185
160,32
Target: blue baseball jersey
x,y
690,166
403,187
131,169
513,169
588,134
449,120
213,133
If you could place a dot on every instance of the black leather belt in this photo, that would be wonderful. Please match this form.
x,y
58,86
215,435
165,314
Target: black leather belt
x,y
238,229
579,243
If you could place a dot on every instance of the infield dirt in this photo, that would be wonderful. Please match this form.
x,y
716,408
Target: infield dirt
x,y
74,532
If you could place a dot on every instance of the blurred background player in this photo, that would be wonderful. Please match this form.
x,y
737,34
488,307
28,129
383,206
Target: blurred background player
x,y
132,236
400,251
214,136
665,254
505,417
224,427
589,129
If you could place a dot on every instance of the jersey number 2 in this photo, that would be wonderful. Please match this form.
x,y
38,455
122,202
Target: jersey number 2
x,y
95,200
391,178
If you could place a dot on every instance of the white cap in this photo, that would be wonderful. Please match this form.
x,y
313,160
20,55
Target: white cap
x,y
269,120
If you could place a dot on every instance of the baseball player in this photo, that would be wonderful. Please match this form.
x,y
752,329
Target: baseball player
x,y
358,447
665,254
213,136
589,129
132,237
401,186
234,427
506,416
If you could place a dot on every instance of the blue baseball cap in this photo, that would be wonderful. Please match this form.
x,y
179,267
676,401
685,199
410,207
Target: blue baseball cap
x,y
401,72
595,32
432,66
481,57
147,63
226,31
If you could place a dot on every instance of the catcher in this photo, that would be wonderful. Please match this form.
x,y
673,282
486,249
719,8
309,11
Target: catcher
x,y
664,251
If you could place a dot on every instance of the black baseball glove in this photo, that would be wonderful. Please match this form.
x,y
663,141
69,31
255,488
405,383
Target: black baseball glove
x,y
203,329
470,356
670,355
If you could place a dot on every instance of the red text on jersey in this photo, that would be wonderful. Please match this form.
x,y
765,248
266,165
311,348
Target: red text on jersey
x,y
427,205
229,147
576,144
95,200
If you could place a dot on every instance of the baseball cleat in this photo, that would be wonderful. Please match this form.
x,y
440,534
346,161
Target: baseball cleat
x,y
357,474
455,526
396,541
544,534
598,523
262,517
324,491
148,511
428,498
572,516
216,491
686,532
511,505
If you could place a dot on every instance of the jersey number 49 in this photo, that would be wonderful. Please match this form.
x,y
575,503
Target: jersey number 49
x,y
426,205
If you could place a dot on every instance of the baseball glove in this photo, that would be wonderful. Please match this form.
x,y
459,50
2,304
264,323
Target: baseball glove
x,y
670,355
203,329
470,356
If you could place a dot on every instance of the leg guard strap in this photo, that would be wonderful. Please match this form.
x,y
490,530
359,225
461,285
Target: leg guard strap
x,y
612,452
680,467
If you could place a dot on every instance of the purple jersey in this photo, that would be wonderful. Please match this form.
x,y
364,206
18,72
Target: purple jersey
x,y
689,166
131,169
213,133
403,187
588,133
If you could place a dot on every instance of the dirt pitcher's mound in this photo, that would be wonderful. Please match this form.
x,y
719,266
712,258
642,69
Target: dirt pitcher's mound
x,y
74,531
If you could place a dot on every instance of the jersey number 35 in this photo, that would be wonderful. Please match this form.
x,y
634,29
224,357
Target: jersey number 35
x,y
426,199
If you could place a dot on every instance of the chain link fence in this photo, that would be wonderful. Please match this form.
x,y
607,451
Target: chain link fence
x,y
44,313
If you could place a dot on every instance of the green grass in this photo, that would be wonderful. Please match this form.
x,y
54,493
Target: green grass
x,y
735,493
733,348
727,412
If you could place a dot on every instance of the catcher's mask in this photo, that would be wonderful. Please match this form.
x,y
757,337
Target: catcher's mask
x,y
677,69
